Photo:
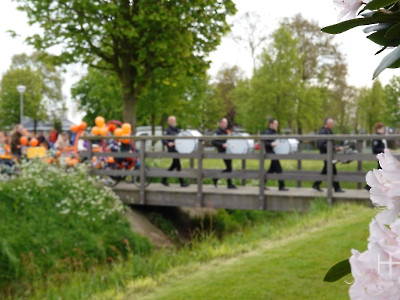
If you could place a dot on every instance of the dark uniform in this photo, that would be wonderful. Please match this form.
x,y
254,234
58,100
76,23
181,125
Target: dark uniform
x,y
322,145
378,147
275,166
228,162
176,164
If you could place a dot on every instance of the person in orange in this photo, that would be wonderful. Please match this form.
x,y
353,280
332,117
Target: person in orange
x,y
53,135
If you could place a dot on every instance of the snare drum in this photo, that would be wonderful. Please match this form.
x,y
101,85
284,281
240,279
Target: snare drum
x,y
187,146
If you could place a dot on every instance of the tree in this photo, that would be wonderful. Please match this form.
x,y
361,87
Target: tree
x,y
227,79
98,93
323,66
133,39
51,88
202,105
10,98
392,104
372,101
275,86
253,36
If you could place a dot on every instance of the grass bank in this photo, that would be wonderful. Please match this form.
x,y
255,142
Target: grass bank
x,y
286,259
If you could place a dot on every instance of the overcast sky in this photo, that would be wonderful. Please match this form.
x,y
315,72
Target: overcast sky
x,y
358,50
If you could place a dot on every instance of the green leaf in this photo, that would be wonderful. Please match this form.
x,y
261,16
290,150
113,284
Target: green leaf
x,y
379,38
376,4
339,270
393,32
377,17
389,60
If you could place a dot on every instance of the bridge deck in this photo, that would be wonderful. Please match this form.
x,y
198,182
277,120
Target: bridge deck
x,y
245,197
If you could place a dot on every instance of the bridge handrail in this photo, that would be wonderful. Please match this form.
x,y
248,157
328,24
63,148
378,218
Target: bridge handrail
x,y
199,173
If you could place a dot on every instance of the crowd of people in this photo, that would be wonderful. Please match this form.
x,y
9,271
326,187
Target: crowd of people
x,y
12,143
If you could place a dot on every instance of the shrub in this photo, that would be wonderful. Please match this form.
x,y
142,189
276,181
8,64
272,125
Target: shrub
x,y
56,221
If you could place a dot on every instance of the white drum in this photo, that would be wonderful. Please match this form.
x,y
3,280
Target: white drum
x,y
286,146
187,146
234,146
294,145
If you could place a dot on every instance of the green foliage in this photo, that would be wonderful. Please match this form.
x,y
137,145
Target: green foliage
x,y
275,85
202,105
134,39
54,222
384,13
392,92
98,93
10,97
371,104
338,271
51,88
301,77
164,224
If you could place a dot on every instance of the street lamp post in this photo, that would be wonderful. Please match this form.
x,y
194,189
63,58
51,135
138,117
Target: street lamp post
x,y
21,89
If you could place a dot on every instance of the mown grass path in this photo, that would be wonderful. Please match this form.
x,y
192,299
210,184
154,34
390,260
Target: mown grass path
x,y
289,268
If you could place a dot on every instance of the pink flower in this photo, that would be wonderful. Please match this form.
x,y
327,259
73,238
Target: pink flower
x,y
385,187
349,7
376,271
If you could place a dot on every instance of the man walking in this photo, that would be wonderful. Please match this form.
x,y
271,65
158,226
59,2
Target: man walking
x,y
275,166
221,147
322,145
176,164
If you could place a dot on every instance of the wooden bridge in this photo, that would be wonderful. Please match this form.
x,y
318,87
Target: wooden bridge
x,y
199,194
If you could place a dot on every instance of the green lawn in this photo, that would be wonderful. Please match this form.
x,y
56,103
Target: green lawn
x,y
291,267
252,164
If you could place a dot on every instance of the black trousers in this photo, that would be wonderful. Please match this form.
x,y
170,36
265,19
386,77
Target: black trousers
x,y
228,165
176,165
275,167
336,184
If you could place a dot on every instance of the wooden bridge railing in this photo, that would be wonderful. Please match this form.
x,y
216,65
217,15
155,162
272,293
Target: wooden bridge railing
x,y
201,154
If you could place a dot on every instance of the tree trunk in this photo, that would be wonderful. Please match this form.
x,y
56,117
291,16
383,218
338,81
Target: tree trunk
x,y
129,99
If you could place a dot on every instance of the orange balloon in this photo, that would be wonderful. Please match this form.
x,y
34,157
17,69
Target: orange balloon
x,y
118,132
126,128
34,142
82,126
74,128
112,127
103,130
96,130
23,140
99,121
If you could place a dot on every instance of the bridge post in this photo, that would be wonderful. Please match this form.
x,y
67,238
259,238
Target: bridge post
x,y
299,183
243,169
329,170
200,173
142,171
90,155
359,162
191,167
261,196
